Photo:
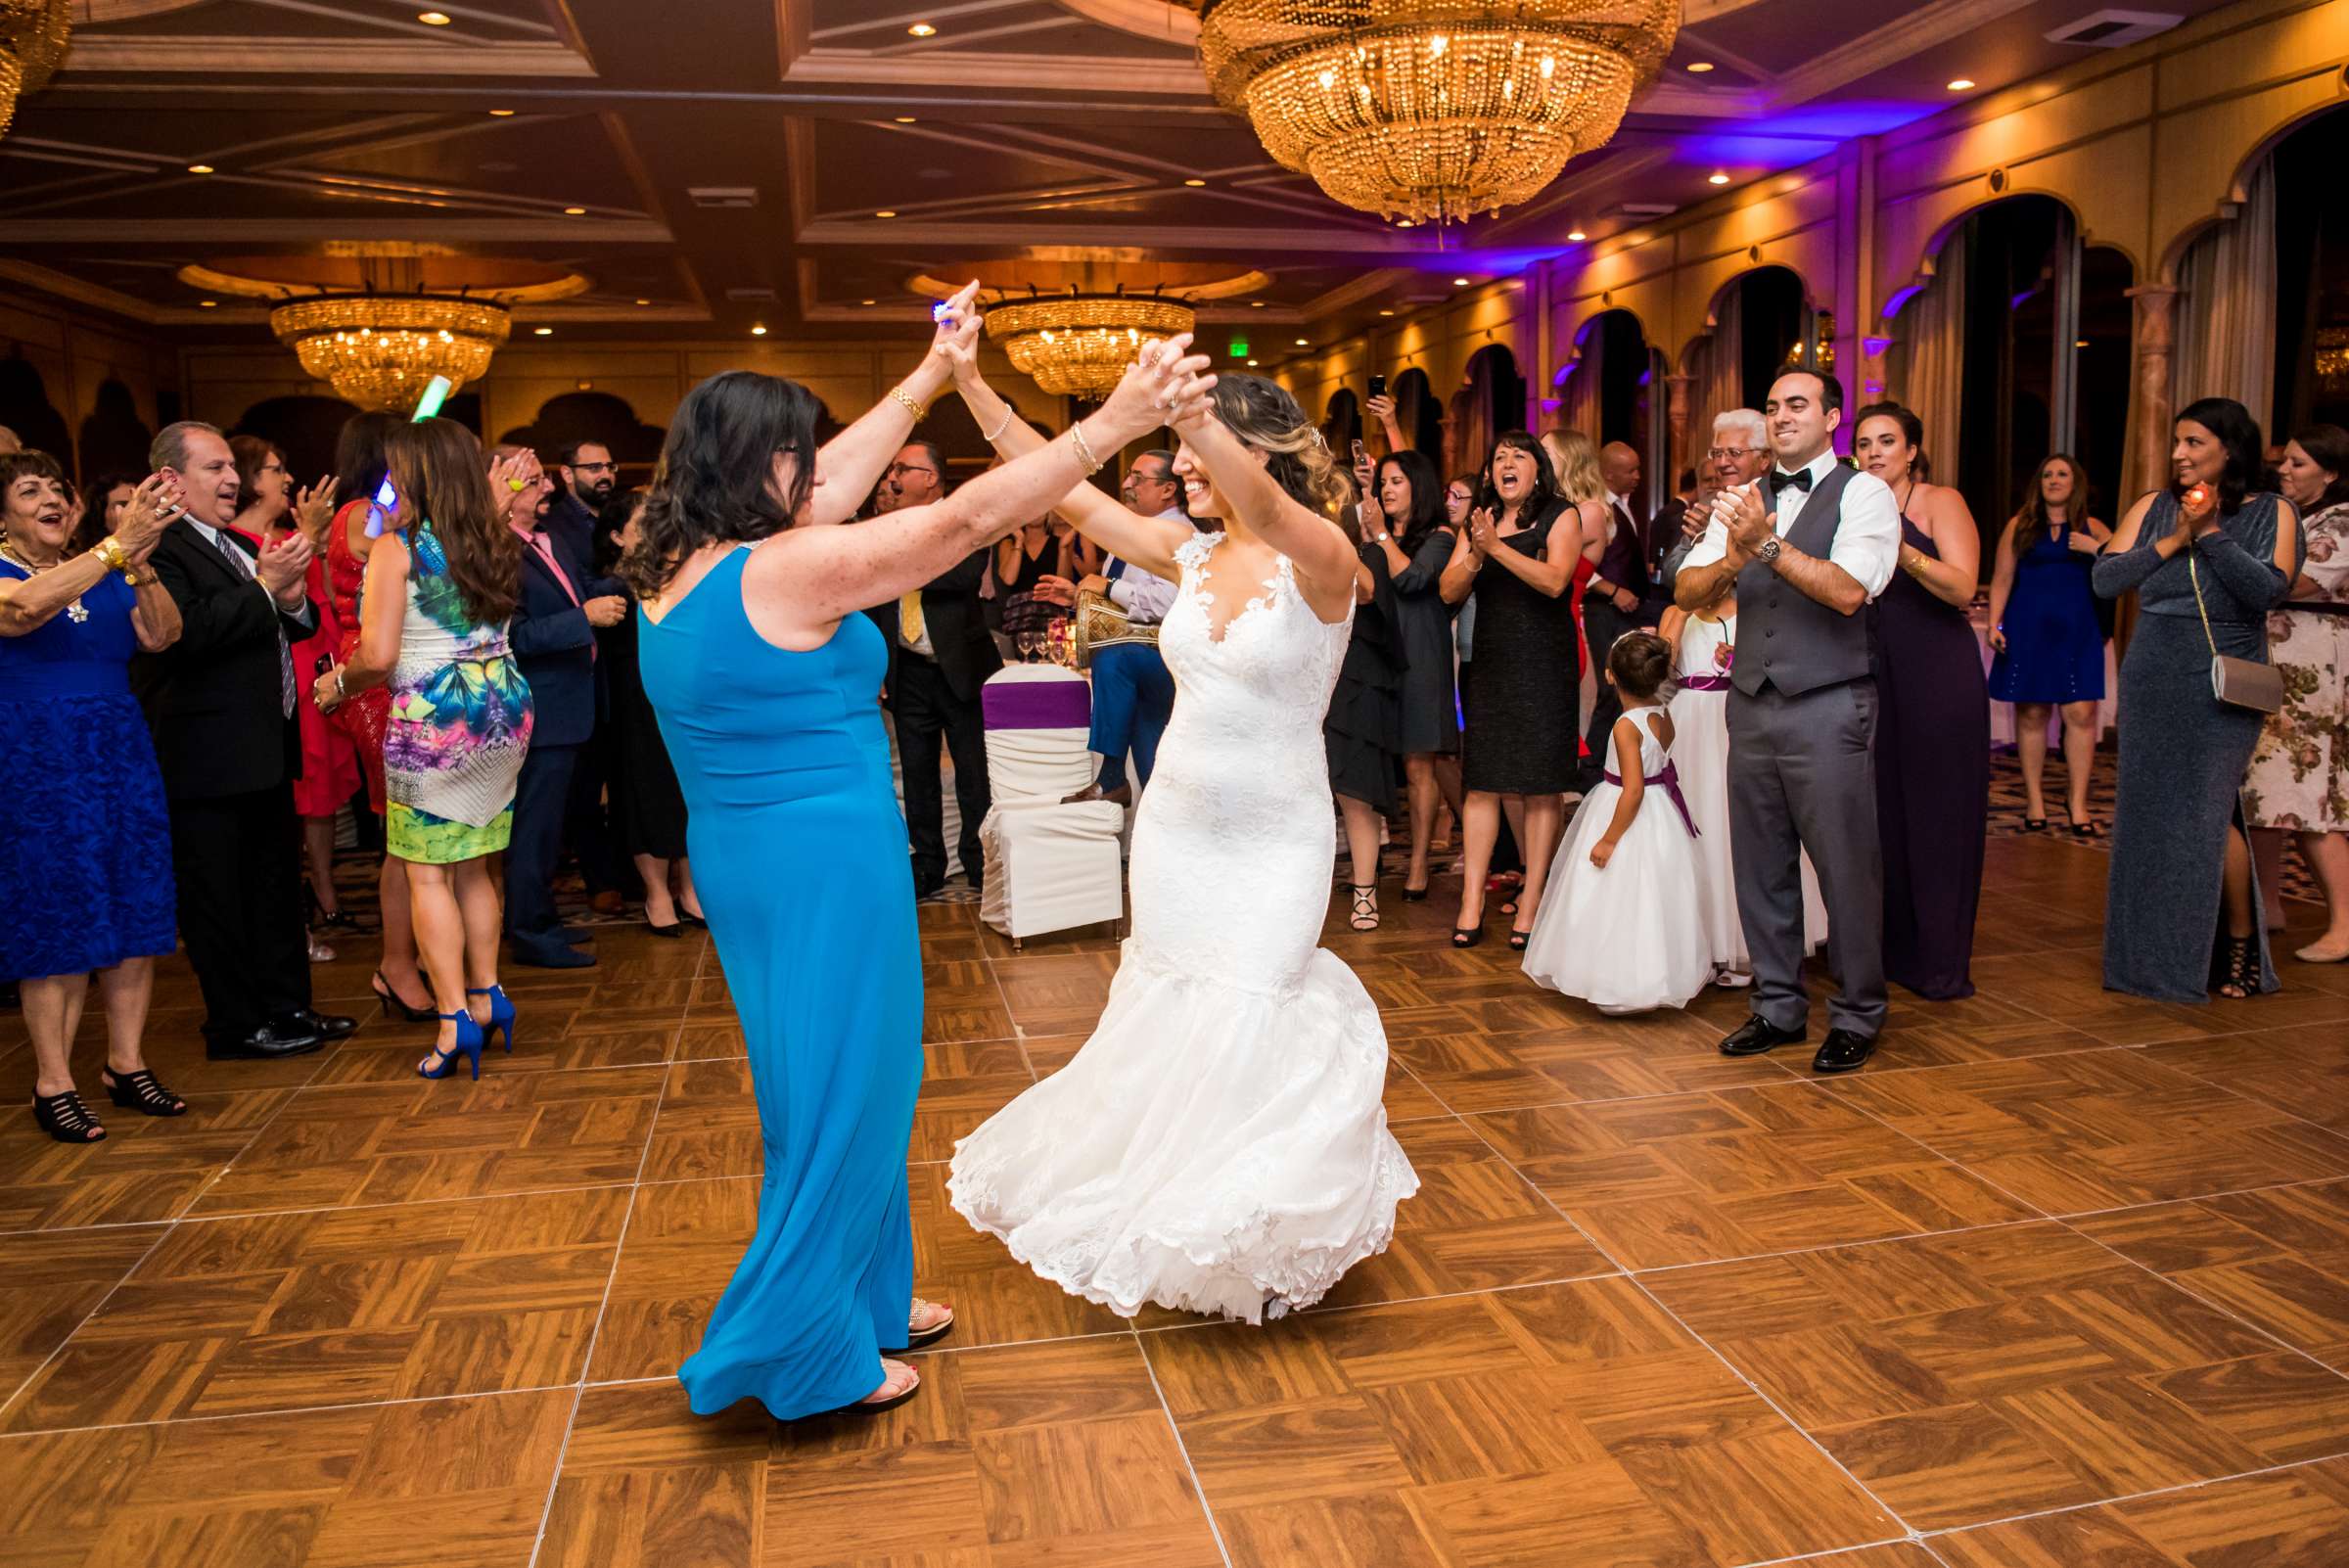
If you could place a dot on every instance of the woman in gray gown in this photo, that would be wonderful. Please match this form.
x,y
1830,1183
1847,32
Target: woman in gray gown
x,y
2180,911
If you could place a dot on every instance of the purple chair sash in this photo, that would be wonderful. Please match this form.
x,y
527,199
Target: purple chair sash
x,y
1037,704
1704,682
1669,778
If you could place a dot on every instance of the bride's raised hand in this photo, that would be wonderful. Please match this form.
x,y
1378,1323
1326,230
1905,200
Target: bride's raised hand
x,y
1146,395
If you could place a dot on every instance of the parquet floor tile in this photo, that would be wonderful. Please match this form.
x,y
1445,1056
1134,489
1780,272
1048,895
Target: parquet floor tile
x,y
337,1318
2102,1130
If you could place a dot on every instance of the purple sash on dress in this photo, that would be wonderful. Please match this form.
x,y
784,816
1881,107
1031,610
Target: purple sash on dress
x,y
1704,682
1669,778
1037,704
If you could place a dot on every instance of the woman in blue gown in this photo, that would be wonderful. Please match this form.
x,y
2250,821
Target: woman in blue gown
x,y
765,680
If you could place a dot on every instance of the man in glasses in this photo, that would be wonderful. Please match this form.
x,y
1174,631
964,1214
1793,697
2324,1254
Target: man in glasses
x,y
1739,455
589,477
939,655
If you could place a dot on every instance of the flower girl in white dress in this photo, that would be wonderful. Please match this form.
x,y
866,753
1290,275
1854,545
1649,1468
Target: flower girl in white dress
x,y
1624,926
1705,645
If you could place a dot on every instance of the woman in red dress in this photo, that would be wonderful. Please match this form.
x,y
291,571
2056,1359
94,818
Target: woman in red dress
x,y
360,464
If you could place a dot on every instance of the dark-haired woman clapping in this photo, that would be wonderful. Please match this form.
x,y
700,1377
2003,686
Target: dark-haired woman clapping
x,y
2209,557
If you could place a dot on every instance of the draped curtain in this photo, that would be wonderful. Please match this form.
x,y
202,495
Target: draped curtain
x,y
1578,399
1925,367
2227,307
1717,365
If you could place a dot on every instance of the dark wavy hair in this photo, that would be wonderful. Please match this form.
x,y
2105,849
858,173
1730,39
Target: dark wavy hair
x,y
1265,417
14,466
438,467
359,455
251,453
610,520
1640,662
1543,498
2327,446
2239,434
93,508
1427,496
1913,430
715,482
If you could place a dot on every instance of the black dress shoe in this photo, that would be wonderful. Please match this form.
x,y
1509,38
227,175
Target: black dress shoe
x,y
1843,1051
1758,1034
326,1025
265,1043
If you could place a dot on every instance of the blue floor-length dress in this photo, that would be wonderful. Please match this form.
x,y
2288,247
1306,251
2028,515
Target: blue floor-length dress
x,y
798,854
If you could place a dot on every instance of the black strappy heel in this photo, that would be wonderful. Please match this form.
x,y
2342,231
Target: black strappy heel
x,y
2235,974
139,1091
65,1118
1366,907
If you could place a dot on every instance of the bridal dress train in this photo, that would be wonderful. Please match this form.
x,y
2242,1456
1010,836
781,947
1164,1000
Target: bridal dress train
x,y
1221,1145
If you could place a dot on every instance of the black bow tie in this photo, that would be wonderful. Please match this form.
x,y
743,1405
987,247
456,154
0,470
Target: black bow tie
x,y
1781,479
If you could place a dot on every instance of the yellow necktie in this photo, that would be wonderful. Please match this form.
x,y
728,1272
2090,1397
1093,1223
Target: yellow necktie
x,y
910,617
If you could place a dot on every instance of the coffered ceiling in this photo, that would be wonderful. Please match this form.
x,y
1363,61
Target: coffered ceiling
x,y
713,164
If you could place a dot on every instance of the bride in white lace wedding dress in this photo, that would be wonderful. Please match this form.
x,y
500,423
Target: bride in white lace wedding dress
x,y
1220,1144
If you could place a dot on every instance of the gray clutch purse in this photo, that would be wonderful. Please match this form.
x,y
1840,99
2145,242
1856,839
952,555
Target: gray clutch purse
x,y
2236,682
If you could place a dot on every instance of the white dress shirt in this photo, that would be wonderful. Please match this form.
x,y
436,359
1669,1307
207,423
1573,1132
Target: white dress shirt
x,y
1144,596
1867,538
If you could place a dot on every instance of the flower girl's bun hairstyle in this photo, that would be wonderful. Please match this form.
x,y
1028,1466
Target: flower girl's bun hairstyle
x,y
1266,418
1640,662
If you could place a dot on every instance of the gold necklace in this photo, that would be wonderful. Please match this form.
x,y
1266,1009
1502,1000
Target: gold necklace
x,y
76,612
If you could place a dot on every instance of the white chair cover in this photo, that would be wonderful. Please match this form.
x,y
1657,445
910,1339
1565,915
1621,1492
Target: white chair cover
x,y
1050,865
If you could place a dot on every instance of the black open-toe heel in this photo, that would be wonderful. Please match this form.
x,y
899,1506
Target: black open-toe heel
x,y
1517,939
2035,824
1366,907
2235,974
139,1091
393,1003
65,1118
1414,894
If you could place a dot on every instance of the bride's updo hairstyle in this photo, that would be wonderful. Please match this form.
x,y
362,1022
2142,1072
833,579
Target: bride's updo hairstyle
x,y
1268,419
715,482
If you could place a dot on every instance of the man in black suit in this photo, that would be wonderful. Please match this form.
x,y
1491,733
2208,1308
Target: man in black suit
x,y
222,700
589,475
553,636
1611,603
939,655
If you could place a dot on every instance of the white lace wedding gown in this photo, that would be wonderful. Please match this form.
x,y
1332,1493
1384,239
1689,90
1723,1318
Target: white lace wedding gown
x,y
1220,1145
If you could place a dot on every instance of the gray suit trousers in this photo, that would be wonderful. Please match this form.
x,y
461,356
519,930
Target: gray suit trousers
x,y
1803,776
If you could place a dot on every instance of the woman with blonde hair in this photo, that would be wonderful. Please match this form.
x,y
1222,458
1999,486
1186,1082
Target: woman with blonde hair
x,y
442,580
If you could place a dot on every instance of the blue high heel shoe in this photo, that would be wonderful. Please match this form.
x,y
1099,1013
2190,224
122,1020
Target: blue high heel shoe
x,y
469,1045
501,1015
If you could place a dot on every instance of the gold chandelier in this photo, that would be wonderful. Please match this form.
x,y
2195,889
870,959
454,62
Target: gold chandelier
x,y
378,350
1425,109
1078,344
32,40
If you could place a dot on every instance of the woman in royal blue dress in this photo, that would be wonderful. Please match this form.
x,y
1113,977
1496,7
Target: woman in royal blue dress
x,y
85,869
2051,646
765,679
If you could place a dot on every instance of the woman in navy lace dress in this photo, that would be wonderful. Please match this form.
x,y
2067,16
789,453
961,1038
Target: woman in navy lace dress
x,y
85,867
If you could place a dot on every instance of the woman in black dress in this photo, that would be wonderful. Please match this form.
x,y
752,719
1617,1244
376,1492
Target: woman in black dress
x,y
1039,550
1521,738
648,810
1933,724
1404,522
2209,557
1363,728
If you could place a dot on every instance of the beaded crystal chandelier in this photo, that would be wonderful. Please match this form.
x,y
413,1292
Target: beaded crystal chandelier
x,y
378,351
1432,109
1078,344
32,40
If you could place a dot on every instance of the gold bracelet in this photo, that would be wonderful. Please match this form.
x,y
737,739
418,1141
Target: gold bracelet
x,y
109,552
1084,449
918,412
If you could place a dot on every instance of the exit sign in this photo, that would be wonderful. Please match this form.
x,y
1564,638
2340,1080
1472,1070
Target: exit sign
x,y
1239,348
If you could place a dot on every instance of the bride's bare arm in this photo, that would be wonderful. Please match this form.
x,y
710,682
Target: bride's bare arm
x,y
1147,542
1317,547
849,463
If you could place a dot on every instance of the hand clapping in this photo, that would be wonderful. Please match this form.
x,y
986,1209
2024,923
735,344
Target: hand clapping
x,y
1748,522
1483,533
154,507
282,568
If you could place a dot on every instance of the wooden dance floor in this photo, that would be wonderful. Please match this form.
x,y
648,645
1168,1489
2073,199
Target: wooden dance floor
x,y
2062,1278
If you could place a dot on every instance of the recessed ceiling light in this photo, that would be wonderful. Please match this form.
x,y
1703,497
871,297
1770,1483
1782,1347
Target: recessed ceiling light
x,y
1386,313
1460,283
211,304
200,168
1718,177
1962,84
1194,184
1251,364
502,113
1402,223
884,212
2080,344
544,332
644,301
433,19
759,331
905,119
574,212
922,29
1302,342
1256,304
1700,66
867,302
1576,236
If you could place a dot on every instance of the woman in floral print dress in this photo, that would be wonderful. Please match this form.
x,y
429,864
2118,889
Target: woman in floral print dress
x,y
2299,777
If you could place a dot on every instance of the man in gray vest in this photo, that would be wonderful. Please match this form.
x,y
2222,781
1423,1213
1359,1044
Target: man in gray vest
x,y
1805,551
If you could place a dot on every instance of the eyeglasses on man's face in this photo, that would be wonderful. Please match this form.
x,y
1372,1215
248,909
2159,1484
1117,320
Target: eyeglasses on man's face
x,y
900,470
1731,454
595,468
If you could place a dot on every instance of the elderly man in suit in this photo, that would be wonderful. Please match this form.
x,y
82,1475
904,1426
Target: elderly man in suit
x,y
222,700
553,636
939,655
